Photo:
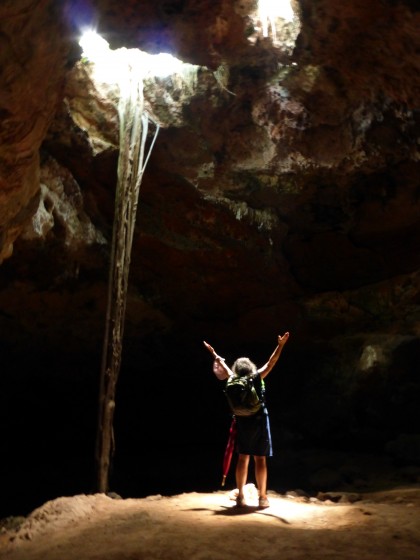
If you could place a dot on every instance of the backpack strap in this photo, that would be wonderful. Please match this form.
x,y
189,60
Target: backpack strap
x,y
259,386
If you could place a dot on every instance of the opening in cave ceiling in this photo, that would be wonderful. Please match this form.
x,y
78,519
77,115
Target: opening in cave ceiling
x,y
269,11
108,69
276,20
109,65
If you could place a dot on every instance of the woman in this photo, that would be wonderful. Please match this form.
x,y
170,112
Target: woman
x,y
253,432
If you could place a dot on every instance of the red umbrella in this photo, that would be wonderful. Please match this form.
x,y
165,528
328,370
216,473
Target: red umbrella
x,y
229,450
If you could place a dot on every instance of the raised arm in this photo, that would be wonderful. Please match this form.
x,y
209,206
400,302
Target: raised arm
x,y
265,369
220,369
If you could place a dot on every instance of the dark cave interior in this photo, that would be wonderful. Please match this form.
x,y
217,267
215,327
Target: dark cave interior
x,y
172,421
282,195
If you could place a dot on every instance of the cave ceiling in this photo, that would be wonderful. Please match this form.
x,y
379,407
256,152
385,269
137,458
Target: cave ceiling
x,y
282,192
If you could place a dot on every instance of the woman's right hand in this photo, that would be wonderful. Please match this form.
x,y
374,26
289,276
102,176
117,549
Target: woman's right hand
x,y
210,348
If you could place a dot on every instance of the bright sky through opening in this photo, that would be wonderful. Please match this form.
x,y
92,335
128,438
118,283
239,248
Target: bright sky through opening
x,y
269,10
110,63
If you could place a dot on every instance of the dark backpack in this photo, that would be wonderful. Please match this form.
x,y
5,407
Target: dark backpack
x,y
242,396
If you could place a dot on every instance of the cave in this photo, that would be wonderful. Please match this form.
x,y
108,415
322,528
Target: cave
x,y
281,193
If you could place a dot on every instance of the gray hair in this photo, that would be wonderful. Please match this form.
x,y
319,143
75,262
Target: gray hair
x,y
243,367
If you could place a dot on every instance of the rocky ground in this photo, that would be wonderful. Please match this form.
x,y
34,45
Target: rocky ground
x,y
204,526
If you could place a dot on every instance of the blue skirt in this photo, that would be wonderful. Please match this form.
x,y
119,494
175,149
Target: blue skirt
x,y
253,434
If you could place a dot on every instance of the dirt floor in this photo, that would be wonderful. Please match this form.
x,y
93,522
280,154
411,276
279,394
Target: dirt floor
x,y
195,526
